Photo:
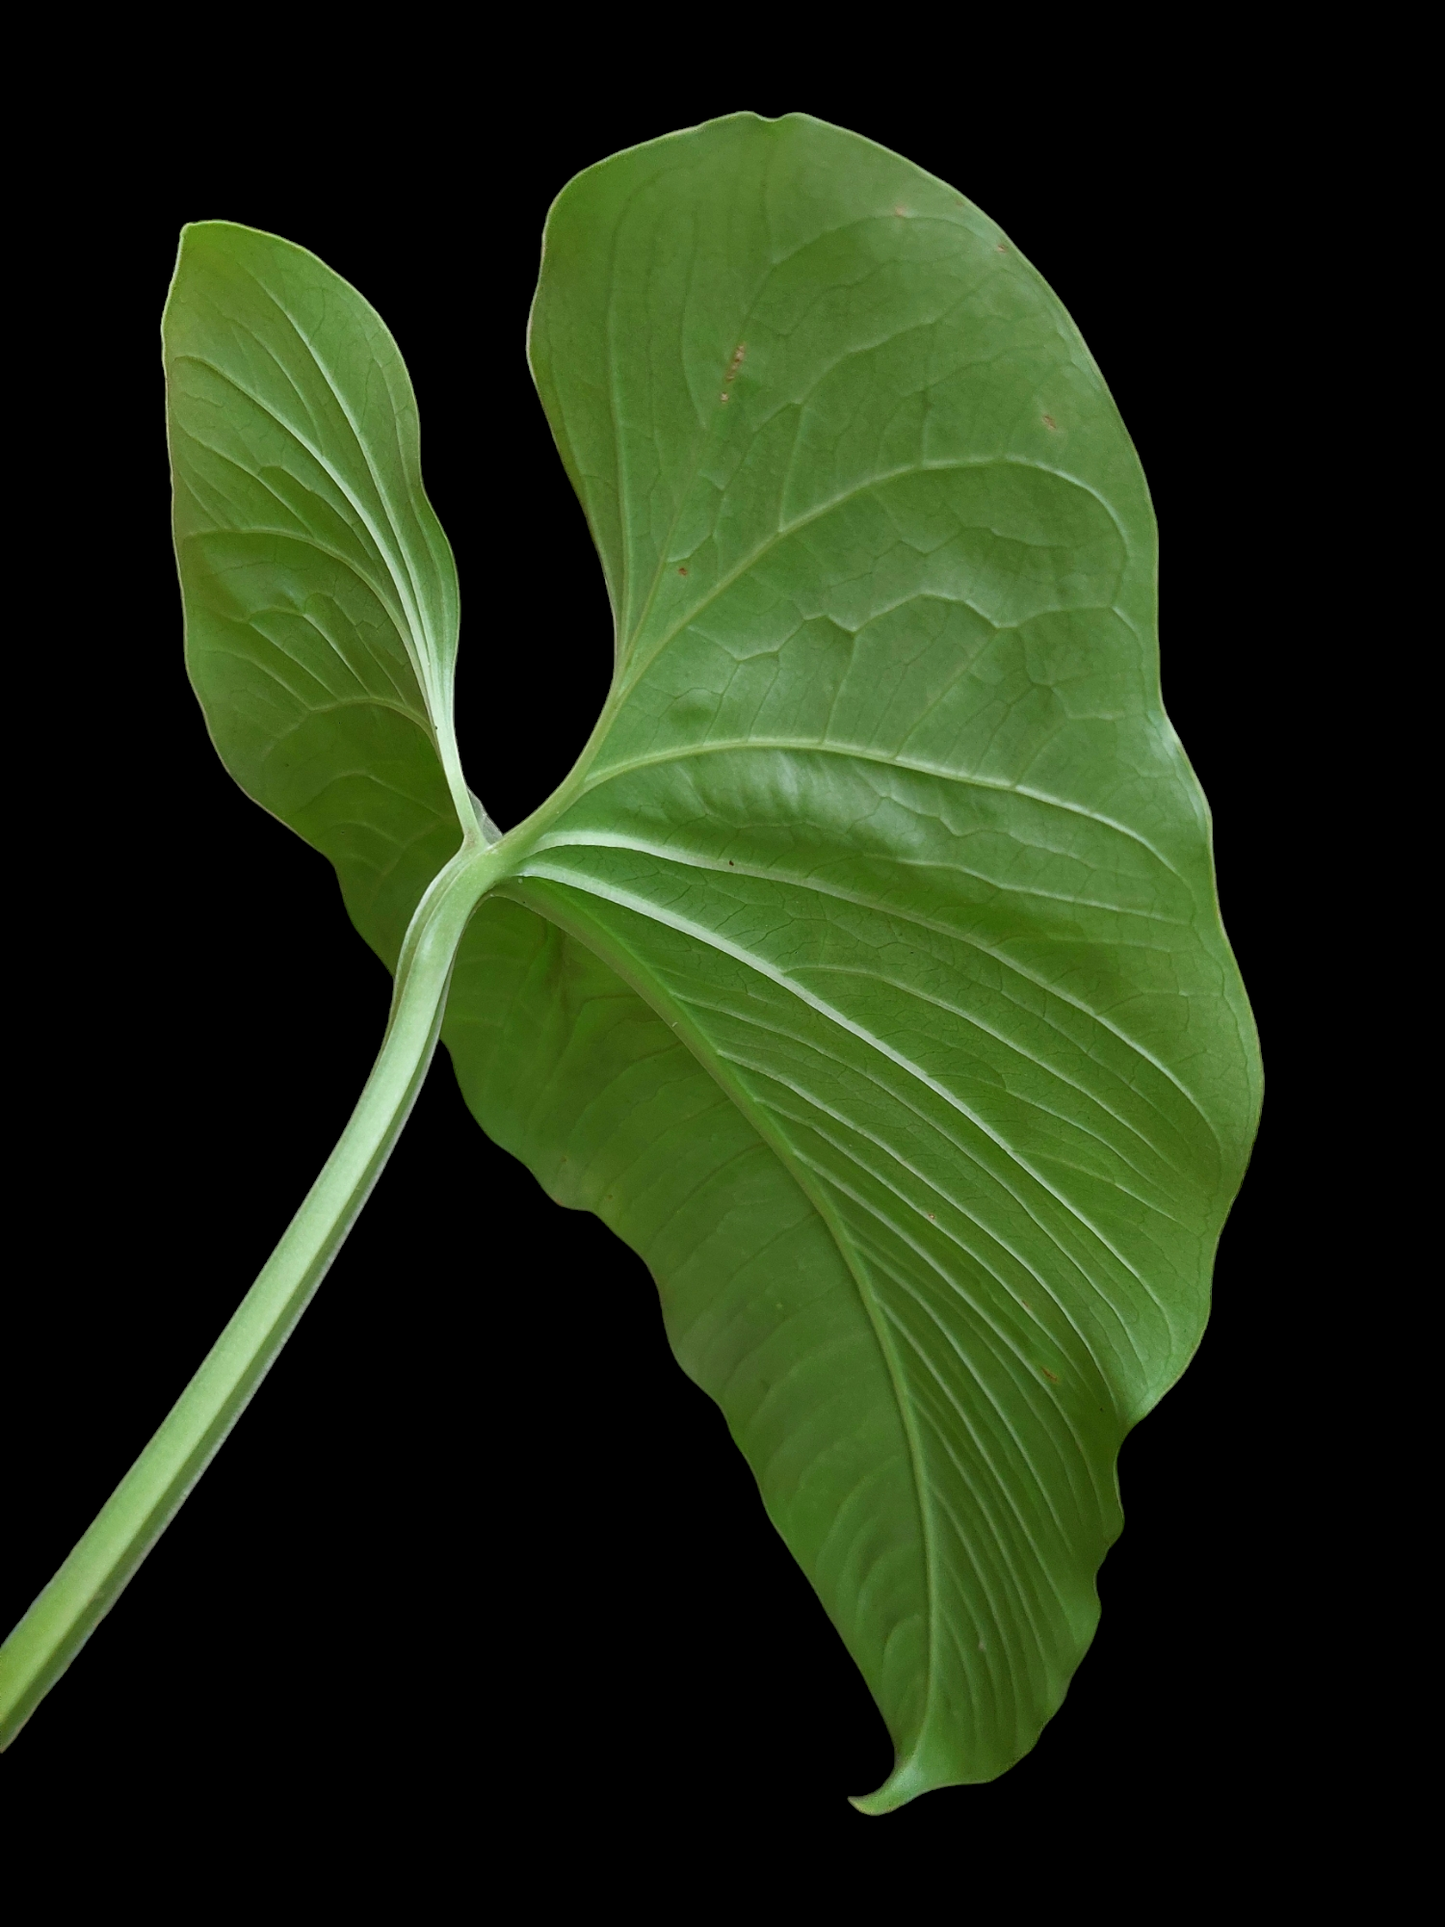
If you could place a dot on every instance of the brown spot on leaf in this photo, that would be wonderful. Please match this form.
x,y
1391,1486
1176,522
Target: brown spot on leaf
x,y
682,571
1002,247
1048,1374
1049,422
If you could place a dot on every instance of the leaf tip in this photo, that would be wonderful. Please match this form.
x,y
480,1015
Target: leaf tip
x,y
909,1778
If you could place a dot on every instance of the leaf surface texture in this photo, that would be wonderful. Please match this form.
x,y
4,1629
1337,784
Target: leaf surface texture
x,y
866,976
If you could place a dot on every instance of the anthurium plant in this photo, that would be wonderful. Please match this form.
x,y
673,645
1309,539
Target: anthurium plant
x,y
865,974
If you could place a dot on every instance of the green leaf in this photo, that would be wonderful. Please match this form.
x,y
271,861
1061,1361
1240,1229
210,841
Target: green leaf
x,y
866,973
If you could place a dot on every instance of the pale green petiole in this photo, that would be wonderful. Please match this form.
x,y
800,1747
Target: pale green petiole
x,y
50,1635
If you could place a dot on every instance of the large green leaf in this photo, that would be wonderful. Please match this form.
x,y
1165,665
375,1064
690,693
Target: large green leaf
x,y
866,974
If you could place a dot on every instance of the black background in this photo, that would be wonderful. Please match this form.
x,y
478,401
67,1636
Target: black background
x,y
471,1574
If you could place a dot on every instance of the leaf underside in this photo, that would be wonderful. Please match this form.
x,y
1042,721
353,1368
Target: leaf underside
x,y
867,976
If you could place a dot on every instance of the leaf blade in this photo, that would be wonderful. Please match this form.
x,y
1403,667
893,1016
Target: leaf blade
x,y
889,816
320,593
